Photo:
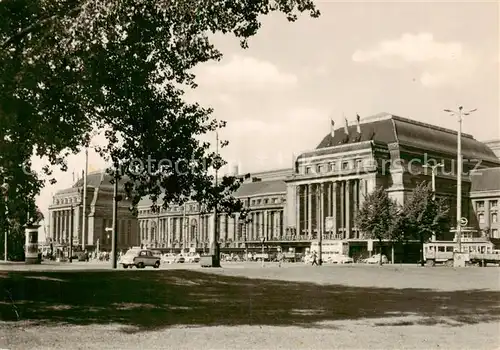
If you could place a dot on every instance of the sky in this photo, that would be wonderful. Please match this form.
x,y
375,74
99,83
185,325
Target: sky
x,y
411,59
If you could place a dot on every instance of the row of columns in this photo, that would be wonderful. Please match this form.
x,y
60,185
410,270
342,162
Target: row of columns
x,y
63,222
165,231
338,200
266,224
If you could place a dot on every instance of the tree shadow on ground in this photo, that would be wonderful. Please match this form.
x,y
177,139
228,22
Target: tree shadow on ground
x,y
148,300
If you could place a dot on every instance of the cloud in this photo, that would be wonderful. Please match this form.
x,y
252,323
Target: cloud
x,y
411,48
440,63
247,73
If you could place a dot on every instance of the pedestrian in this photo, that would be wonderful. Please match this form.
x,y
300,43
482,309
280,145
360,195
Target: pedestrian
x,y
314,262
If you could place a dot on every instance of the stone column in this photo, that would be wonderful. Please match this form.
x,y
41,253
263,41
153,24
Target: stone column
x,y
53,225
309,211
361,192
76,224
334,208
224,226
487,213
56,225
267,225
230,228
279,223
169,232
322,211
256,232
298,201
329,205
180,230
165,230
355,205
348,213
68,224
342,207
65,225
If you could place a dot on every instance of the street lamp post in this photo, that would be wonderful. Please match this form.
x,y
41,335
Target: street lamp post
x,y
459,115
114,237
5,189
71,234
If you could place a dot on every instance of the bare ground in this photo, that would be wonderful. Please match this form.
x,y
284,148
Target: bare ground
x,y
244,306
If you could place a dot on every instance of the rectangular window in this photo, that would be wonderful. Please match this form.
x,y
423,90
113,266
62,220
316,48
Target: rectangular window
x,y
319,169
494,217
332,166
308,169
481,218
441,249
494,204
345,165
449,249
359,163
480,205
494,233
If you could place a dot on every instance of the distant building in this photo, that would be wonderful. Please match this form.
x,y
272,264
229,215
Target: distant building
x,y
485,198
66,215
494,145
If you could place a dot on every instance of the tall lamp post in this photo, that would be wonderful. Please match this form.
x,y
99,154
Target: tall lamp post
x,y
459,115
5,189
114,237
215,251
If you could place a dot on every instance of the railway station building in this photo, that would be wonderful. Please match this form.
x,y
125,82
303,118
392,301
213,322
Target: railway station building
x,y
321,193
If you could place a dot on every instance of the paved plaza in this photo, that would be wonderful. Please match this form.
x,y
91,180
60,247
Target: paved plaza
x,y
245,306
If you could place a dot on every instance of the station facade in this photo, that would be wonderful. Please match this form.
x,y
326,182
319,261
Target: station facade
x,y
323,191
320,194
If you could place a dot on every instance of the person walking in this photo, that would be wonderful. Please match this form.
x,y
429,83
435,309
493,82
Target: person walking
x,y
315,261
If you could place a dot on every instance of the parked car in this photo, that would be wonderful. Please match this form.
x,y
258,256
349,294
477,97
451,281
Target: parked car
x,y
375,259
140,258
193,258
168,258
340,259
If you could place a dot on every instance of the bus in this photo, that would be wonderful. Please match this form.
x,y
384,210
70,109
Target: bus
x,y
329,248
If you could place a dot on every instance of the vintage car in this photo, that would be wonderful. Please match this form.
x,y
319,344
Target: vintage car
x,y
140,258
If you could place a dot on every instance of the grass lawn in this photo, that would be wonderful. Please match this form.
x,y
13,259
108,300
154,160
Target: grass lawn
x,y
293,307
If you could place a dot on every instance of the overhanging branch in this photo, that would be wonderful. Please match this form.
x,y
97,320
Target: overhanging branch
x,y
31,28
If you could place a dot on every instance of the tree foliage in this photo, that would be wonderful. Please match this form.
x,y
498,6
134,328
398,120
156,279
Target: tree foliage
x,y
422,215
378,217
12,221
68,67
